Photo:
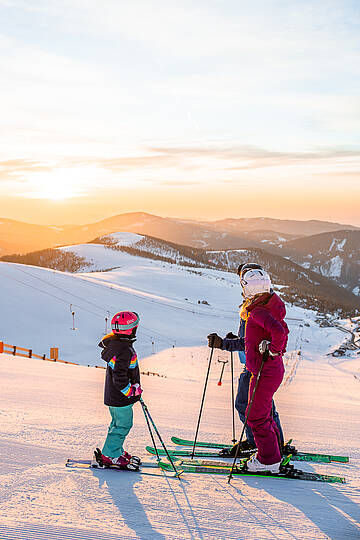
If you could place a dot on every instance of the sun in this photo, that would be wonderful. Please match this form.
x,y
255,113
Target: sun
x,y
58,192
58,185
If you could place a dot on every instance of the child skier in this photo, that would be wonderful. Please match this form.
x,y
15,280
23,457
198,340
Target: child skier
x,y
122,389
266,331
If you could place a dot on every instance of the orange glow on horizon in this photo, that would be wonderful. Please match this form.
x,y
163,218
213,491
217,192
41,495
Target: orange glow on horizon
x,y
196,202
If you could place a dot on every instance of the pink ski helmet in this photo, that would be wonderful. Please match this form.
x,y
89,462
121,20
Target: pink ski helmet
x,y
125,322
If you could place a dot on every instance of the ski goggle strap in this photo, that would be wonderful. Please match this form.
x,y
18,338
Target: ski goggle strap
x,y
243,268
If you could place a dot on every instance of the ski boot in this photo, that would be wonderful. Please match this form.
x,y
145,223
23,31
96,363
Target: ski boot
x,y
282,468
245,448
288,448
287,469
133,460
254,465
125,461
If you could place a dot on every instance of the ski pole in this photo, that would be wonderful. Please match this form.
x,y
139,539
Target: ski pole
x,y
202,402
223,362
264,357
151,433
232,396
147,413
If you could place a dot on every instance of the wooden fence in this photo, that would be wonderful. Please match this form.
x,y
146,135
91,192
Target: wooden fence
x,y
28,353
54,353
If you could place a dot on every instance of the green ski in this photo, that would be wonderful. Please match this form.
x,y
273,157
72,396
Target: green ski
x,y
316,458
296,455
289,472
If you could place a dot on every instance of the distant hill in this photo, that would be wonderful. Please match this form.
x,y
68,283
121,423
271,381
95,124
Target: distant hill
x,y
283,226
303,286
335,255
18,237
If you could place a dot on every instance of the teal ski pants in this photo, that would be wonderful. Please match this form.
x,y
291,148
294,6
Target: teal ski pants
x,y
120,425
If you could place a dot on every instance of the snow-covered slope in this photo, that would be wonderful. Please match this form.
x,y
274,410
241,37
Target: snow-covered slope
x,y
52,411
38,303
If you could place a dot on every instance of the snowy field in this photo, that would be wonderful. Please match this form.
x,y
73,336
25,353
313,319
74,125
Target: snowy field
x,y
38,304
50,411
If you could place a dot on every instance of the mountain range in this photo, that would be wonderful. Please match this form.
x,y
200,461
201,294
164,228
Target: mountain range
x,y
19,237
319,249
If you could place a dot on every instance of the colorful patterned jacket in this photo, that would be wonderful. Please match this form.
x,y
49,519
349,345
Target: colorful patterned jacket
x,y
122,370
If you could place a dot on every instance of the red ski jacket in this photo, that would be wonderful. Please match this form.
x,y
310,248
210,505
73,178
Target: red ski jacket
x,y
266,321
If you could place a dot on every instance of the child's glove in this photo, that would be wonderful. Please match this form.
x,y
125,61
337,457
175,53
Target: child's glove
x,y
135,390
215,341
264,346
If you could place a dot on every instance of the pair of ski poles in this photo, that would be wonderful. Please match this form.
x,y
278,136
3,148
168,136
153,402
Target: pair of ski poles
x,y
150,422
203,398
264,357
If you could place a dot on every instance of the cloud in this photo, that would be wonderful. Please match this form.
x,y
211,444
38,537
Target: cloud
x,y
186,165
97,78
253,157
16,168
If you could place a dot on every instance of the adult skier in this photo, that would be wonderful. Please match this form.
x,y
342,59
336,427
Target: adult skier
x,y
262,328
122,389
237,343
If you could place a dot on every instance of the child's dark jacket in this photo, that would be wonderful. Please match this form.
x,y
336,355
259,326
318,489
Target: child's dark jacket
x,y
122,370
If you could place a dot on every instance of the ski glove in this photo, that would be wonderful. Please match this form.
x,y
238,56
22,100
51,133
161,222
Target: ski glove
x,y
135,390
230,335
215,341
264,346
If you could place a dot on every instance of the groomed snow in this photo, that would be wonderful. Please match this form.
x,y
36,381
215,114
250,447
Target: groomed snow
x,y
165,295
125,238
50,411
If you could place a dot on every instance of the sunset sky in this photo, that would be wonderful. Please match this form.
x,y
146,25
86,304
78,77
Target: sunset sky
x,y
195,109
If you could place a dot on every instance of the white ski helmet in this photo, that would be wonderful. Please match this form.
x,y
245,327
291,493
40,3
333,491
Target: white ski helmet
x,y
255,282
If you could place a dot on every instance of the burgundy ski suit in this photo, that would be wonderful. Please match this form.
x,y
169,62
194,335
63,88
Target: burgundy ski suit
x,y
265,321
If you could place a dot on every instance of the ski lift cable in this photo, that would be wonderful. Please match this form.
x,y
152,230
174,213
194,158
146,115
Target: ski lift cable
x,y
59,288
148,331
133,294
48,293
84,300
119,289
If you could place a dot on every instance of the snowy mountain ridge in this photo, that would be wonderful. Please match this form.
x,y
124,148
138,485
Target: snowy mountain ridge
x,y
18,237
335,255
305,287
